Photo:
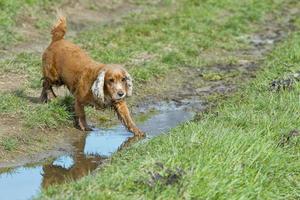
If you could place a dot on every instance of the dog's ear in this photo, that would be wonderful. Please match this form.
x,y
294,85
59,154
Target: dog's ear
x,y
129,84
98,86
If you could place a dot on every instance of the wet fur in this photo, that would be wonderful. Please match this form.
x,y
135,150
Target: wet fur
x,y
64,63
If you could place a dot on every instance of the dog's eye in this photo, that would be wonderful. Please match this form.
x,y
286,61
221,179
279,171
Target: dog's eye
x,y
123,79
111,80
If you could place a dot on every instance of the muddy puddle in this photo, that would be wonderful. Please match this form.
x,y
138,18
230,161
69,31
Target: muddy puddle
x,y
90,151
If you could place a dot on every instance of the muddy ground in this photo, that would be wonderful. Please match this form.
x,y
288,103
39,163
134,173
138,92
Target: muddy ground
x,y
209,84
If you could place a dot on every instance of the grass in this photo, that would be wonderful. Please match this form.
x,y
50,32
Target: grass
x,y
11,10
236,154
9,144
49,115
24,64
151,44
10,103
19,17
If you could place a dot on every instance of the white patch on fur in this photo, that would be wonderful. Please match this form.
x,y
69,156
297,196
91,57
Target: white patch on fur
x,y
98,87
129,84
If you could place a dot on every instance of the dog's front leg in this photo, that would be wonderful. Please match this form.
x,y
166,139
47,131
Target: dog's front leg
x,y
124,115
80,116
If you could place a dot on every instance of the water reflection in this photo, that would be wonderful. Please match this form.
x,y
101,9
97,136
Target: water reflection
x,y
90,151
69,167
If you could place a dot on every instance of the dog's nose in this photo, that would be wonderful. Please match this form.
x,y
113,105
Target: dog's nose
x,y
121,94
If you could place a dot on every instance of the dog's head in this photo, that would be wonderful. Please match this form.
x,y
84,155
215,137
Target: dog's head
x,y
112,84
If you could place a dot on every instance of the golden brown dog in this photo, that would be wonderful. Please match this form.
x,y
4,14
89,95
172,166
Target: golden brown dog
x,y
90,82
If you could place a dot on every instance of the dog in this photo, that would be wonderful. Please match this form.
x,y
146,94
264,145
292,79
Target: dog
x,y
90,82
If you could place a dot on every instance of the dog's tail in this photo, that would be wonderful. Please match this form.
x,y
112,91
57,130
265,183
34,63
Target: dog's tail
x,y
59,29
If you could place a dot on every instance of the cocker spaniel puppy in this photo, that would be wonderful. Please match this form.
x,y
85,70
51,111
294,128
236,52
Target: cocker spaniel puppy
x,y
90,82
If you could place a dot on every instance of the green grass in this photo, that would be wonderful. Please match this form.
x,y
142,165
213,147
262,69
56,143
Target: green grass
x,y
38,16
9,16
10,103
233,155
24,64
49,115
9,144
150,44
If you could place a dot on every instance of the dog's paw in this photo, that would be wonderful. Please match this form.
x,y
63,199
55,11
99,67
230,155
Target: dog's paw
x,y
43,98
87,128
139,133
83,128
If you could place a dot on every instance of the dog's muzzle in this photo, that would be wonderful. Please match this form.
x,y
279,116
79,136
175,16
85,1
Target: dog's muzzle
x,y
120,95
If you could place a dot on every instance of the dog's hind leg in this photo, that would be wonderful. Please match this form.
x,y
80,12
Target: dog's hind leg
x,y
50,77
47,92
52,92
44,96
